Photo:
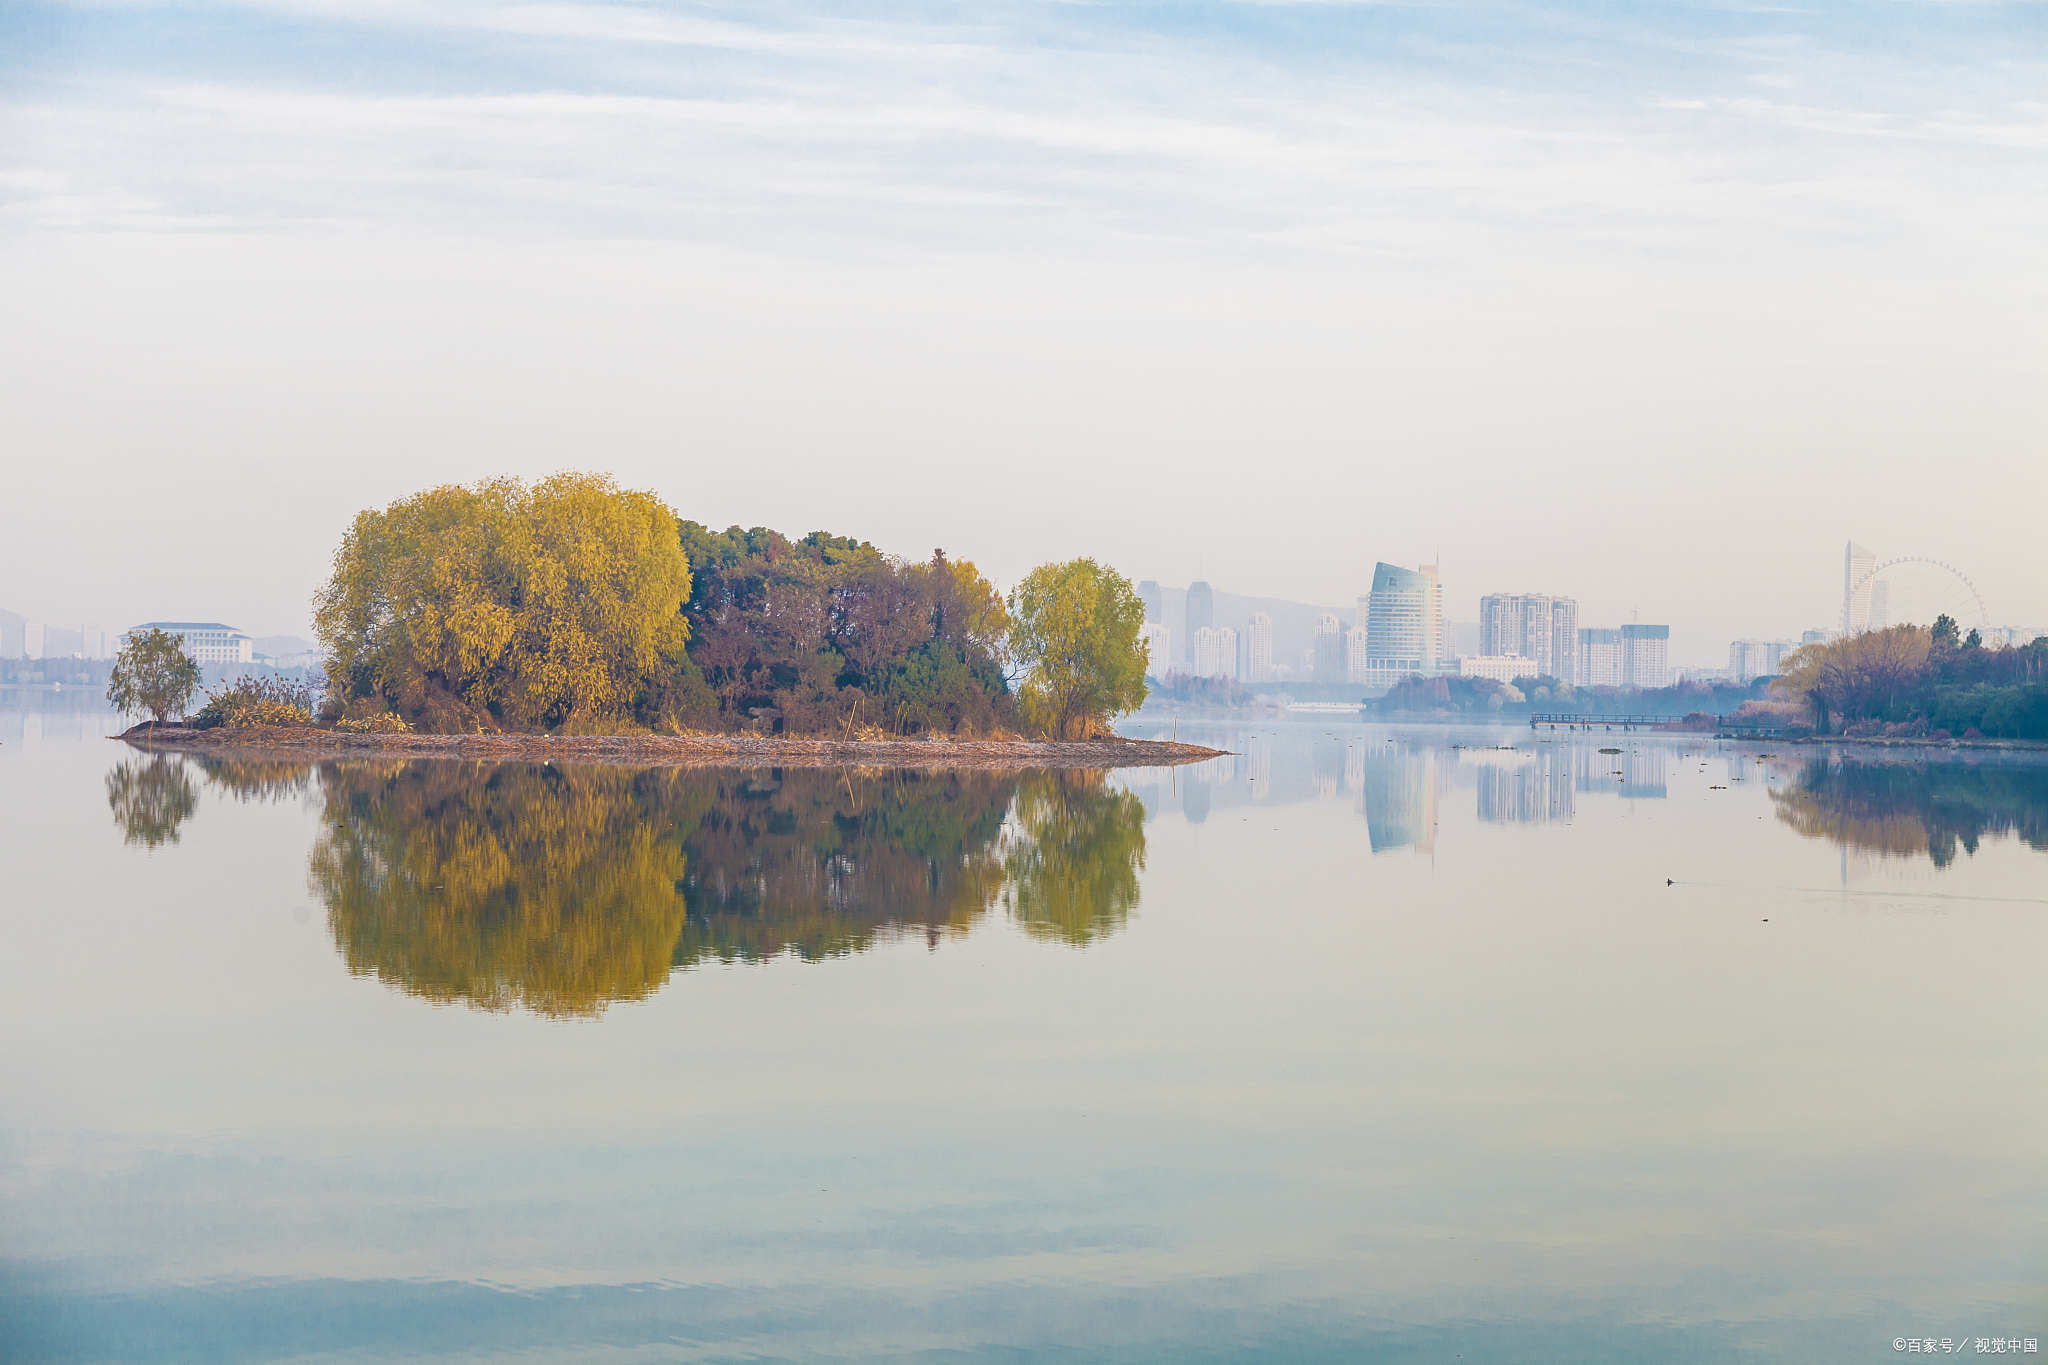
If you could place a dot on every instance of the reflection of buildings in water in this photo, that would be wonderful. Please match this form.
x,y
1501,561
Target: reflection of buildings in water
x,y
1198,783
1326,767
1397,793
1259,760
1524,788
1631,773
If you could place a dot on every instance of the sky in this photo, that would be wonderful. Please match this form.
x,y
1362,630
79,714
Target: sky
x,y
1651,306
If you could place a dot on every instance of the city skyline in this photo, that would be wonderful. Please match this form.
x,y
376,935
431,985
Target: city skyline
x,y
1540,628
1863,599
1506,624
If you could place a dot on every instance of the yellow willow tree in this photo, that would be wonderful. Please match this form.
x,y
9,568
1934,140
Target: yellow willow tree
x,y
548,605
1856,676
1074,627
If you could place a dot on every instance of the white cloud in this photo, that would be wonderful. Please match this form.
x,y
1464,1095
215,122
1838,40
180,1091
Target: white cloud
x,y
1110,253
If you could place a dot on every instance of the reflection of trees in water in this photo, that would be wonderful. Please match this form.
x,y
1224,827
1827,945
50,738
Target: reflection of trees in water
x,y
1074,868
819,863
151,799
258,779
563,889
1910,809
550,888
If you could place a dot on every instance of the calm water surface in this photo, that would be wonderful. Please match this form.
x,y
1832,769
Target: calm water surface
x,y
1366,1043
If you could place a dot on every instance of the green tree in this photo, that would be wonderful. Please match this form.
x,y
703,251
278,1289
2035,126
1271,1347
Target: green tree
x,y
543,606
152,673
1074,628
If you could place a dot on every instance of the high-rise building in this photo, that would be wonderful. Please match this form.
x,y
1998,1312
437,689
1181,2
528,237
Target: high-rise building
x,y
35,640
1599,656
1201,607
1813,637
92,642
1749,659
1403,622
1645,656
1215,652
1329,648
1158,643
1857,564
1564,640
1542,629
1535,630
1435,616
1154,598
1355,663
1259,648
1500,625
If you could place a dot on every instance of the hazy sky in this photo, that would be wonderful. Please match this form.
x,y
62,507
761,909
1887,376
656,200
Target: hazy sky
x,y
1651,305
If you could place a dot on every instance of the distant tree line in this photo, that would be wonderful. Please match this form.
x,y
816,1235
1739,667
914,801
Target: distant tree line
x,y
1919,680
1185,689
1543,692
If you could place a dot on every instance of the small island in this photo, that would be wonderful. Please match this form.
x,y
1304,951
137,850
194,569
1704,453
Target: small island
x,y
574,620
742,750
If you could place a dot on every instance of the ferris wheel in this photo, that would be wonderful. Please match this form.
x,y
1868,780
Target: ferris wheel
x,y
1914,590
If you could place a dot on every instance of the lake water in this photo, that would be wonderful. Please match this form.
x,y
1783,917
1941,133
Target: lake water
x,y
1366,1043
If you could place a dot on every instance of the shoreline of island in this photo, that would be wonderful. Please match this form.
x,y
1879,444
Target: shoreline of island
x,y
723,751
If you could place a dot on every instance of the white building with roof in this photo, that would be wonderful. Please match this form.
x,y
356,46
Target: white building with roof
x,y
1499,667
208,642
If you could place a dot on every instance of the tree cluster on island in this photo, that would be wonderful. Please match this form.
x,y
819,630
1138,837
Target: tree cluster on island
x,y
572,605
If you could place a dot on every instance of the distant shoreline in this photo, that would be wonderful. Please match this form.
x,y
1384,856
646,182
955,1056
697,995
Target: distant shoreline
x,y
2022,746
751,751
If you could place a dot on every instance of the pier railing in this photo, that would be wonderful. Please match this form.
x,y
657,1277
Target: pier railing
x,y
1576,721
1723,725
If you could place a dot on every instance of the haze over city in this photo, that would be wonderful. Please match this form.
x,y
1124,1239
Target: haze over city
x,y
1655,309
